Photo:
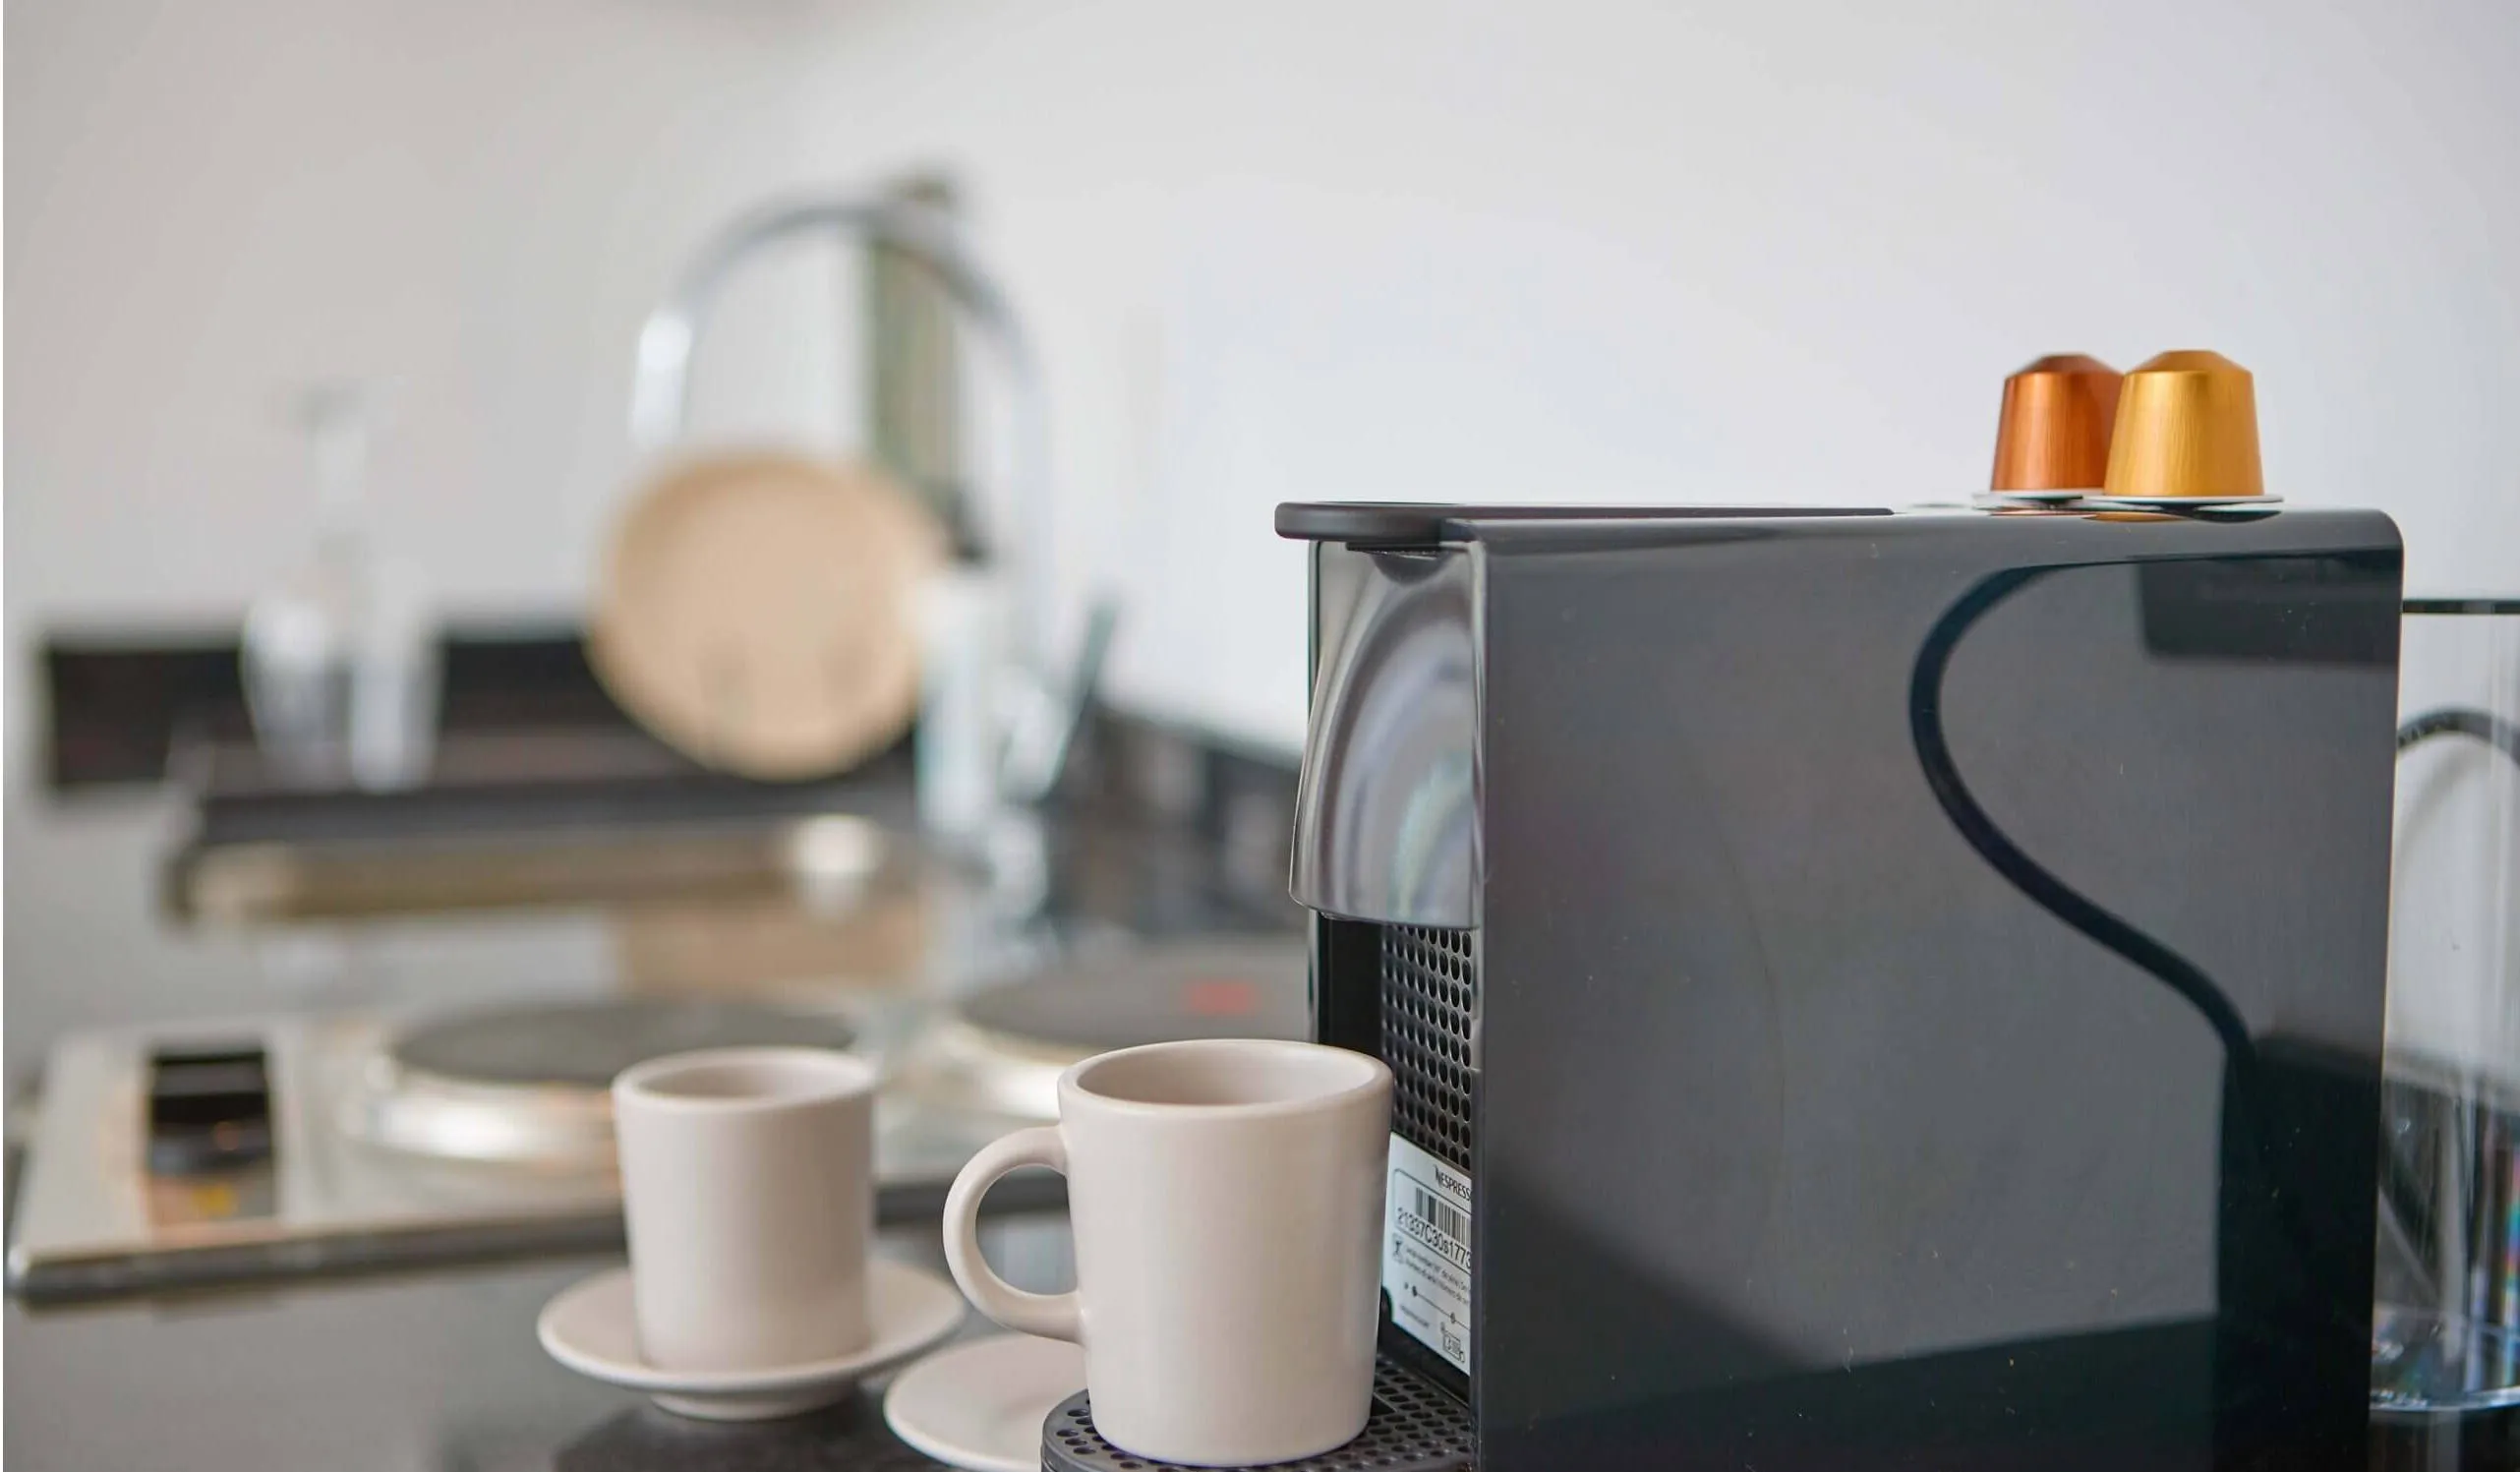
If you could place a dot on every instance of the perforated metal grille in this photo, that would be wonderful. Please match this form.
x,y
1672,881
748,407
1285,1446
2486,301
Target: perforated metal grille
x,y
1429,991
1413,1428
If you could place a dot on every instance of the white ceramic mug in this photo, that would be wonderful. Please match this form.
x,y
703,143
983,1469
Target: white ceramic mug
x,y
747,1187
1227,1201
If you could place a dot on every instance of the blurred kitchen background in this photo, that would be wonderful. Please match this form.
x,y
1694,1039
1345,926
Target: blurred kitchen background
x,y
1587,250
1590,250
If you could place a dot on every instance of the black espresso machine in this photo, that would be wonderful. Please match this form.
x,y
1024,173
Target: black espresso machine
x,y
1866,990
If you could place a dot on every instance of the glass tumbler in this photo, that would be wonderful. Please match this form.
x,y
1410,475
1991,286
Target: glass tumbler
x,y
2446,1325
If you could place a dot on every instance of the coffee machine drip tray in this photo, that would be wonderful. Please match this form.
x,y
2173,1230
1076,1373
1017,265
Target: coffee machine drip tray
x,y
1413,1428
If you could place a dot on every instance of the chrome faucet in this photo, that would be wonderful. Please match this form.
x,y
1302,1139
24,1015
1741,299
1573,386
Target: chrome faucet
x,y
1045,711
661,390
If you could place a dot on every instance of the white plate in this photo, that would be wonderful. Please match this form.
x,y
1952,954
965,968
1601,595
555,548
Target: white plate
x,y
980,1405
592,1328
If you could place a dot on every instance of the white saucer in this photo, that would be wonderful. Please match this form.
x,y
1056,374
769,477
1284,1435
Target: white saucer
x,y
980,1405
592,1329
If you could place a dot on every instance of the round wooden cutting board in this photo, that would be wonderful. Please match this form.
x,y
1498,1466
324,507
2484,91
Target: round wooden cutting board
x,y
757,612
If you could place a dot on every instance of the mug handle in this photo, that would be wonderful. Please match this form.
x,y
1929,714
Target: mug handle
x,y
1053,1316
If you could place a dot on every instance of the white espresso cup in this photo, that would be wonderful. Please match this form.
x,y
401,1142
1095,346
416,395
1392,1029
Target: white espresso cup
x,y
1227,1203
747,1187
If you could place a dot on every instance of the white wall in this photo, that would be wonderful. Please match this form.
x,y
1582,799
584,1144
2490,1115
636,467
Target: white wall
x,y
468,203
1414,250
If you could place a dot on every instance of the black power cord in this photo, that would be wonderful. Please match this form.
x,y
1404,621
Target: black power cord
x,y
2246,1090
2052,893
2503,736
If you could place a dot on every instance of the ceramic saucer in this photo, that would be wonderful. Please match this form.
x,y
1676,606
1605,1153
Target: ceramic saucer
x,y
980,1405
591,1329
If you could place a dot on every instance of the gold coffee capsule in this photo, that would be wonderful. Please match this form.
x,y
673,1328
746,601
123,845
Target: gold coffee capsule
x,y
2187,426
2054,431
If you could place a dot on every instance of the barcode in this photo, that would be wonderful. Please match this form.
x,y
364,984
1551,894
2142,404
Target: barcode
x,y
1442,1216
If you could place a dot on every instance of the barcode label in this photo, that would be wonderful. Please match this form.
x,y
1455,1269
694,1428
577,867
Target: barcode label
x,y
1446,1219
1426,1251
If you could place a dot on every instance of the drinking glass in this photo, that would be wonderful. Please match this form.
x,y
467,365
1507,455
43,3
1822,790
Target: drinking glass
x,y
2446,1327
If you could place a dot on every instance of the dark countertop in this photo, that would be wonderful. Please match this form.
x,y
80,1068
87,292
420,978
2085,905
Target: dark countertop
x,y
438,1372
432,1373
441,1374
